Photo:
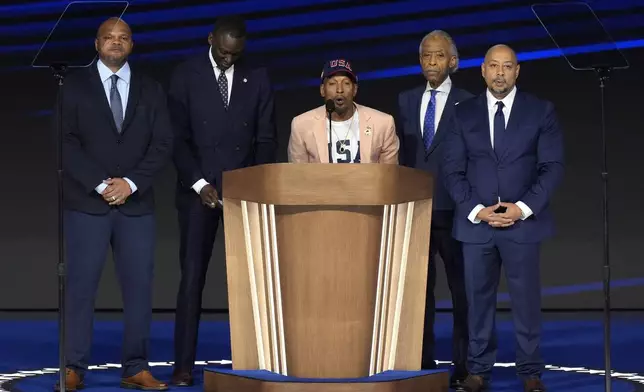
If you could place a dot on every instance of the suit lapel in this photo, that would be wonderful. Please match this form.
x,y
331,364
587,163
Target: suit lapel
x,y
99,96
444,121
484,130
132,100
366,135
320,133
210,85
512,129
238,89
417,101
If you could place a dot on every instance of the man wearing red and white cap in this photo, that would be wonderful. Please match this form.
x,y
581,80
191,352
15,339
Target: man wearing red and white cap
x,y
355,134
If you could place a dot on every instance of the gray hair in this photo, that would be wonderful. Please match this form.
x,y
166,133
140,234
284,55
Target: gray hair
x,y
452,46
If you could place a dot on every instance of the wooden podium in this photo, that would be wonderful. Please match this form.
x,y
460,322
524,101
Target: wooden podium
x,y
327,272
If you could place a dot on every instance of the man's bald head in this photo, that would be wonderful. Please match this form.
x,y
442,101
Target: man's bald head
x,y
110,24
501,49
114,43
500,69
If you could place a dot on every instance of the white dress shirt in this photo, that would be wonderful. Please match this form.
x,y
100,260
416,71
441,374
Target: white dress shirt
x,y
491,111
123,87
198,186
441,101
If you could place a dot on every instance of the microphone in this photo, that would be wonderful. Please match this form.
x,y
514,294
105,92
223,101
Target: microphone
x,y
330,108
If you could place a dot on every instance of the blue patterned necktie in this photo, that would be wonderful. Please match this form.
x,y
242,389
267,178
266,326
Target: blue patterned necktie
x,y
428,126
499,127
223,87
116,105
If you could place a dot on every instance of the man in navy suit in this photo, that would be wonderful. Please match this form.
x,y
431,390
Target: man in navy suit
x,y
222,112
425,117
116,138
503,161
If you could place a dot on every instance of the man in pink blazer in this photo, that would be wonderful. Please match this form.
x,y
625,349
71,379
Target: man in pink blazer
x,y
357,134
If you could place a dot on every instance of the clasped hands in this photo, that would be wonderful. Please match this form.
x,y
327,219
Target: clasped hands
x,y
117,191
498,219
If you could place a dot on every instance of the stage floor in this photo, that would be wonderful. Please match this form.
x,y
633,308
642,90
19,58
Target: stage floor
x,y
572,347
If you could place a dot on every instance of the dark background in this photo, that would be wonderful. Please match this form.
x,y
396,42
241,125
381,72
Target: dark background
x,y
293,40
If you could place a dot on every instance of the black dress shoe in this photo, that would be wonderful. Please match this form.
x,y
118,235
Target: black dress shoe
x,y
182,379
533,385
457,378
472,384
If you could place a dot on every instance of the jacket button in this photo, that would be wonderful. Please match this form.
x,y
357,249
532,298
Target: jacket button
x,y
237,148
245,124
119,141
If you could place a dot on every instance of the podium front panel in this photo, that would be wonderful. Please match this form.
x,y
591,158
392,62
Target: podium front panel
x,y
327,291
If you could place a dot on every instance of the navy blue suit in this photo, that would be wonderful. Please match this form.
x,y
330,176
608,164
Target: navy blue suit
x,y
211,139
413,154
526,166
93,151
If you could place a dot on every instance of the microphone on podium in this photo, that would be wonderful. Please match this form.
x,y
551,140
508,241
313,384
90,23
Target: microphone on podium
x,y
330,108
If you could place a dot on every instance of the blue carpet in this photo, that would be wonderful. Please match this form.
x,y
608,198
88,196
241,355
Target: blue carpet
x,y
572,347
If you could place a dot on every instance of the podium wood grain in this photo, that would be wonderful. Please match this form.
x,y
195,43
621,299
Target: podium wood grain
x,y
327,267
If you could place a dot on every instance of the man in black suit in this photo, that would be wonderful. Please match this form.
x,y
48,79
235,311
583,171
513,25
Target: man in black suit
x,y
426,116
222,112
116,138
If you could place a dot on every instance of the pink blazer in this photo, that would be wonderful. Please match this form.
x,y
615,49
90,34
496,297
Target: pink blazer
x,y
309,137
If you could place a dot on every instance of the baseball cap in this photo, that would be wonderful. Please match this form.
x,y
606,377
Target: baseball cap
x,y
333,67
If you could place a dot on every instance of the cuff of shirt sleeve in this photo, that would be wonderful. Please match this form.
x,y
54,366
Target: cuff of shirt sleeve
x,y
198,186
133,187
101,188
472,216
525,210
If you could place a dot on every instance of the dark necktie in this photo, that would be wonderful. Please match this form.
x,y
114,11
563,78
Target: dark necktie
x,y
428,124
116,104
499,127
223,87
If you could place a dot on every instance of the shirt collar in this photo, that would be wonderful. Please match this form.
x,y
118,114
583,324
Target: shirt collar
x,y
507,101
444,87
124,73
214,63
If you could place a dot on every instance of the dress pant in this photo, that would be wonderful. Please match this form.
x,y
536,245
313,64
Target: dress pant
x,y
442,243
198,227
132,239
482,272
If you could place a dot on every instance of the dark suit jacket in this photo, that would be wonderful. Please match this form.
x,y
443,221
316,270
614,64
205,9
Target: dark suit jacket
x,y
412,149
93,150
211,140
528,169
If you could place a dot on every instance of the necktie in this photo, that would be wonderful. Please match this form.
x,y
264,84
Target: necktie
x,y
223,87
428,126
499,126
116,104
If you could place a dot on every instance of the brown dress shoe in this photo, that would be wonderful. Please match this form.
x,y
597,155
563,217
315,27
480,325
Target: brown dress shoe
x,y
73,382
533,385
472,384
182,379
143,381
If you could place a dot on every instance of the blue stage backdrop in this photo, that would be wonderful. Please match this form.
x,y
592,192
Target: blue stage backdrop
x,y
293,38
